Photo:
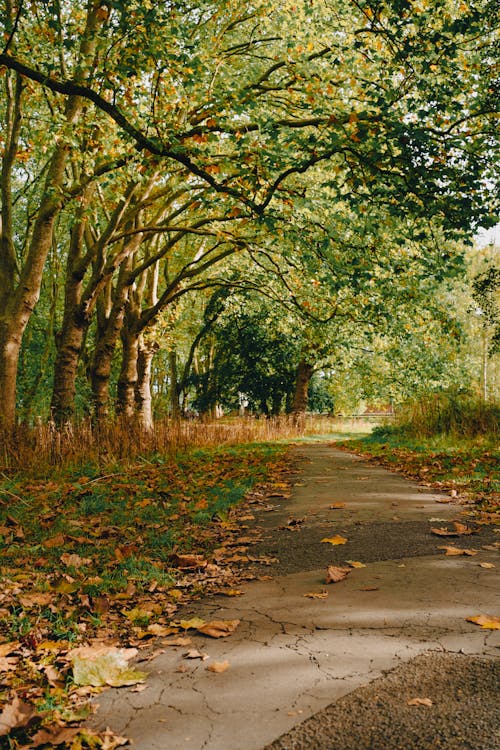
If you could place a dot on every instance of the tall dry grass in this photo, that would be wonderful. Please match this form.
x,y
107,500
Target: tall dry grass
x,y
451,414
39,448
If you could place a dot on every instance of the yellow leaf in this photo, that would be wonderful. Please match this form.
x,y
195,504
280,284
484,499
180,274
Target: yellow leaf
x,y
450,551
486,565
335,540
487,622
337,506
355,564
194,623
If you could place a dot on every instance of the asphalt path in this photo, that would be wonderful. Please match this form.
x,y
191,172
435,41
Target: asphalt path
x,y
316,665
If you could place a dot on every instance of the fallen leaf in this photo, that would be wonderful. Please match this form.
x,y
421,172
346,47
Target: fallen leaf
x,y
486,565
54,736
335,540
180,641
75,560
218,628
337,506
450,551
317,595
35,599
195,654
55,541
8,648
218,667
188,562
104,665
369,588
160,630
487,622
444,500
355,564
231,592
8,663
193,624
460,530
14,715
335,574
419,702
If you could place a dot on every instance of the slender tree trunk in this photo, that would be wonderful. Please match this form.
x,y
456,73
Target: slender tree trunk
x,y
143,397
304,374
174,385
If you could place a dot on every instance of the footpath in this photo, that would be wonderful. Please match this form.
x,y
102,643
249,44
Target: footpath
x,y
381,660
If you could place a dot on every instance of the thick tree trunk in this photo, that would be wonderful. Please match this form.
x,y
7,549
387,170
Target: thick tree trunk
x,y
143,399
304,374
10,345
127,381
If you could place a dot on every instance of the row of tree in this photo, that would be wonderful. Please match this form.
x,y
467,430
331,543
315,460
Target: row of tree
x,y
160,160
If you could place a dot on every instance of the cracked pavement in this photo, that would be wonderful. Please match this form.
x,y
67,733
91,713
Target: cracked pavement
x,y
294,660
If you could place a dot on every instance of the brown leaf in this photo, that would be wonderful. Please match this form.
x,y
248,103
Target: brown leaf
x,y
218,667
8,648
369,588
487,622
219,628
195,654
486,565
54,736
55,541
188,562
335,574
35,599
355,564
419,702
14,715
8,663
317,595
75,560
460,530
337,506
454,551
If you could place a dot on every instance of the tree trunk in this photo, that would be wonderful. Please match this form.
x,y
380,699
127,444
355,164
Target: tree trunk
x,y
18,300
174,385
127,381
304,374
143,398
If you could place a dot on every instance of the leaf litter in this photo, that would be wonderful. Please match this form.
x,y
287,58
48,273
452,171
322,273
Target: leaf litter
x,y
76,608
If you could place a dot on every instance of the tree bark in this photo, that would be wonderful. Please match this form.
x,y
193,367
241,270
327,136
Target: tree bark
x,y
127,381
304,374
143,399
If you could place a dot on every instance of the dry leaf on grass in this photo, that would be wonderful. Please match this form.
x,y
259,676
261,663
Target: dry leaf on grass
x,y
335,540
218,667
335,574
15,715
188,562
419,702
487,622
54,736
8,648
454,551
219,628
74,560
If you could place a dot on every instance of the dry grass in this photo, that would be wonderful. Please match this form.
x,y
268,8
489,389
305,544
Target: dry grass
x,y
40,448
